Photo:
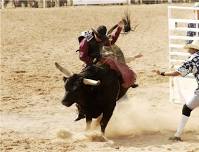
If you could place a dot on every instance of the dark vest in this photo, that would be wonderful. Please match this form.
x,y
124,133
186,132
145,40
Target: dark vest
x,y
94,48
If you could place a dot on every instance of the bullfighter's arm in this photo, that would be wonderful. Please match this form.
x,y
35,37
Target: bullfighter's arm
x,y
183,70
173,73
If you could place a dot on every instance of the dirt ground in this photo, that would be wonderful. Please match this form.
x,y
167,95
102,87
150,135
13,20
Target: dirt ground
x,y
32,116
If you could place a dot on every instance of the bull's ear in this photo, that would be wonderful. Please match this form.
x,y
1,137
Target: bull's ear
x,y
64,79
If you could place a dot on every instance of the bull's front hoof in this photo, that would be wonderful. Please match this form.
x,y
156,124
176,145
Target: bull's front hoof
x,y
175,138
96,136
66,103
134,85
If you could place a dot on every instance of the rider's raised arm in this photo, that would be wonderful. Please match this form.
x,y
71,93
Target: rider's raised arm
x,y
115,34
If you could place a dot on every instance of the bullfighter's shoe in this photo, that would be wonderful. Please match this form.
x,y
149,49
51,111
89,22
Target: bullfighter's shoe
x,y
175,138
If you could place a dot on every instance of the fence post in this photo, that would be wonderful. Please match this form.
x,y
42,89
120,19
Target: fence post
x,y
44,3
58,3
179,90
129,2
2,4
196,17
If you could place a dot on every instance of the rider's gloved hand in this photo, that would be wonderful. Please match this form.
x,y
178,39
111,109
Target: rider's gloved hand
x,y
95,60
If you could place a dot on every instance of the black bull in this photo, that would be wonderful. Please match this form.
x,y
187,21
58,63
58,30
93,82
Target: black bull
x,y
95,98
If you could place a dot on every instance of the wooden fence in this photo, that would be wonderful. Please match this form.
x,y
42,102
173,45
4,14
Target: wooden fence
x,y
180,88
60,3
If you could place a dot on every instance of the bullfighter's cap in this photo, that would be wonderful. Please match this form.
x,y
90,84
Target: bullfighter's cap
x,y
193,45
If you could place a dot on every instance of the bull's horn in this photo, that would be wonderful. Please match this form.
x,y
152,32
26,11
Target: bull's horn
x,y
91,82
63,70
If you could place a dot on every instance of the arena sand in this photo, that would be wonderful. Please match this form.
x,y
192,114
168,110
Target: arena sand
x,y
32,117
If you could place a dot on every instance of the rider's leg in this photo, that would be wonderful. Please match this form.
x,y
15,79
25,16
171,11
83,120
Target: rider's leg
x,y
186,112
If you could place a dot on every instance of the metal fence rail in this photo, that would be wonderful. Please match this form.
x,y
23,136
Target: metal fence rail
x,y
180,88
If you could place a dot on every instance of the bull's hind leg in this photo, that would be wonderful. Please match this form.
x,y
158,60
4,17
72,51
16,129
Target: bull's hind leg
x,y
105,119
97,122
88,123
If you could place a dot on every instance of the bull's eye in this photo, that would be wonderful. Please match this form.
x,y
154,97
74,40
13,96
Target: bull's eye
x,y
72,84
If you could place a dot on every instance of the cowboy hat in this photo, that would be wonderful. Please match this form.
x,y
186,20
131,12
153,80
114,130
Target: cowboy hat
x,y
193,45
101,32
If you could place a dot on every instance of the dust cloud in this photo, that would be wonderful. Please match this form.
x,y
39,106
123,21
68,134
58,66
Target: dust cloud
x,y
130,118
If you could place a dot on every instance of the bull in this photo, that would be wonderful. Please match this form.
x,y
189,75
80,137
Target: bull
x,y
96,89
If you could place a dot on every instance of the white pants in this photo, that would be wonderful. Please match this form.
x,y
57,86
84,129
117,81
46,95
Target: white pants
x,y
194,102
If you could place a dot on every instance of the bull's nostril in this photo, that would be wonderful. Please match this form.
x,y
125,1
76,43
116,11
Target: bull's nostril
x,y
65,103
